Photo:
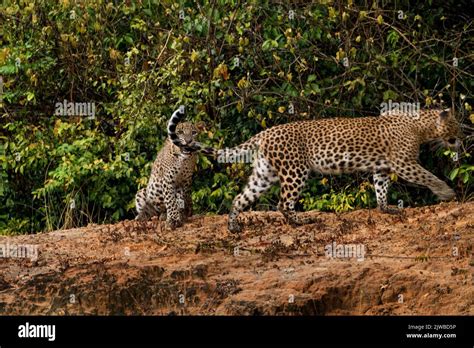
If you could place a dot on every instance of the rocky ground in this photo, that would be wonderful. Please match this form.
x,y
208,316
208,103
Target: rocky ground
x,y
418,263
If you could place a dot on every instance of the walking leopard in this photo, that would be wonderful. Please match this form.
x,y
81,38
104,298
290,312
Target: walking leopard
x,y
381,145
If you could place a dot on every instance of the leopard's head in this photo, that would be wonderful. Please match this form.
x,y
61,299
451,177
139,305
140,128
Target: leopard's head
x,y
442,125
187,133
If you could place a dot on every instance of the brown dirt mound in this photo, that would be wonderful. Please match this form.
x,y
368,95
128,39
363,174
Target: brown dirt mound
x,y
418,263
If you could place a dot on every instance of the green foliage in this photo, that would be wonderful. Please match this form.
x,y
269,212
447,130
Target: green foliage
x,y
349,198
463,172
238,66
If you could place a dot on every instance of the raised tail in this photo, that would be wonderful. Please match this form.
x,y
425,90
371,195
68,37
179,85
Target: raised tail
x,y
246,148
177,116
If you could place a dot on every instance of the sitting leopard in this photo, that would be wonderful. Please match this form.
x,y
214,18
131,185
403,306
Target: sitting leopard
x,y
168,193
381,145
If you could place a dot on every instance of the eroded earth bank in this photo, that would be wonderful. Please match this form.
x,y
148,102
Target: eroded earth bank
x,y
362,262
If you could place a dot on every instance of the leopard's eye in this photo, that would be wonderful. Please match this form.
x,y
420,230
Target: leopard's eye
x,y
179,132
195,133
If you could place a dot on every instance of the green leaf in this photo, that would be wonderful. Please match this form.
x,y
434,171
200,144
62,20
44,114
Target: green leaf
x,y
7,69
453,174
389,94
465,177
269,44
128,39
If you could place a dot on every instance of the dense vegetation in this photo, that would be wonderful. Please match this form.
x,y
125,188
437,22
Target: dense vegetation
x,y
239,66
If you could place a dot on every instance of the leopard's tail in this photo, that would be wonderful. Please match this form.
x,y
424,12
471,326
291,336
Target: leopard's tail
x,y
246,148
177,116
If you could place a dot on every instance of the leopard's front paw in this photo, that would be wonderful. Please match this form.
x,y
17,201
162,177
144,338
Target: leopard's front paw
x,y
447,194
142,217
172,224
234,226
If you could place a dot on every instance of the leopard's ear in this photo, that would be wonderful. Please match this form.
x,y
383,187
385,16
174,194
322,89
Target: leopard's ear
x,y
444,114
200,126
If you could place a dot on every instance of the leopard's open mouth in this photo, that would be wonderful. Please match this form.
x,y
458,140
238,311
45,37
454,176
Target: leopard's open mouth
x,y
453,143
450,143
